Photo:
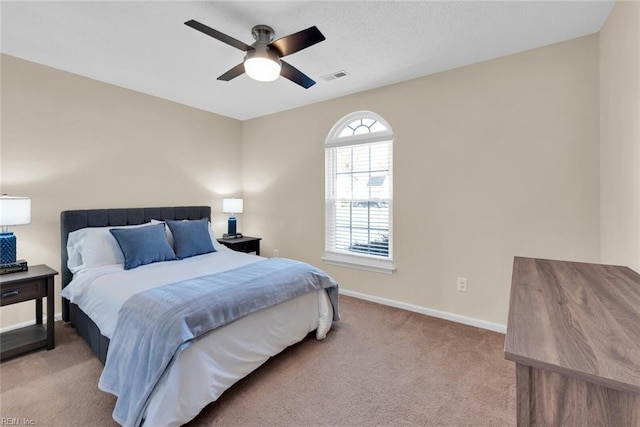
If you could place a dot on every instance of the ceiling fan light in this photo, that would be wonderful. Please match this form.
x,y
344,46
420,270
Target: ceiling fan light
x,y
262,69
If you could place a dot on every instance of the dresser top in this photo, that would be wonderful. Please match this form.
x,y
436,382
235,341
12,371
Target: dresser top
x,y
578,319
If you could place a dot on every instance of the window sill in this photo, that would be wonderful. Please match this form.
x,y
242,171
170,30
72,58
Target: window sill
x,y
359,262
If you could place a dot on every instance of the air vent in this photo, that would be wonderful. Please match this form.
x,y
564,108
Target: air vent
x,y
333,76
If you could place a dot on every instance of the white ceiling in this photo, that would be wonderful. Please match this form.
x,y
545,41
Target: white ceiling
x,y
145,46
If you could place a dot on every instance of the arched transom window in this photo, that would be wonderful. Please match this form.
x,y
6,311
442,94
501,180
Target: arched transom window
x,y
359,193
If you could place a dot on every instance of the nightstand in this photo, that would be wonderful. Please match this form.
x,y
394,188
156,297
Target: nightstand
x,y
34,284
243,244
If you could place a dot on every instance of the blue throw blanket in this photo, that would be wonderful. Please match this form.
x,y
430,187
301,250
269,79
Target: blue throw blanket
x,y
156,325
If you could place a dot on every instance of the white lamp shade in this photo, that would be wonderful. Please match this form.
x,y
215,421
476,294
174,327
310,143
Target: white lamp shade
x,y
14,211
262,69
232,206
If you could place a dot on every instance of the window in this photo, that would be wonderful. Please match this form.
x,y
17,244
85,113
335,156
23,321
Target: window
x,y
359,193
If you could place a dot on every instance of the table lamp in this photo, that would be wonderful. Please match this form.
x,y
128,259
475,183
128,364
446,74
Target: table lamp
x,y
13,211
232,206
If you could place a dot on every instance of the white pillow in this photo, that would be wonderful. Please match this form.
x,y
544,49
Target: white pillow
x,y
216,245
94,246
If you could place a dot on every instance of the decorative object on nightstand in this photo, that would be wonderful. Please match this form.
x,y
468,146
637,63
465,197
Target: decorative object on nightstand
x,y
35,284
13,211
243,244
233,207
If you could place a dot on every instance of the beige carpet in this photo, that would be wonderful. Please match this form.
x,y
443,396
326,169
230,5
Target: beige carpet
x,y
379,366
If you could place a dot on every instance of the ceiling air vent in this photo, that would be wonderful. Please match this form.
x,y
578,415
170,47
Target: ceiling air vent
x,y
333,76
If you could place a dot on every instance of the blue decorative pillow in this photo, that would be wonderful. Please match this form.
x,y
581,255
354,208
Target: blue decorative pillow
x,y
191,238
143,245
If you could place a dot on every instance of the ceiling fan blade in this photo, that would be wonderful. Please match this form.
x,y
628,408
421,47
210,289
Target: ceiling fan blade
x,y
232,73
292,73
218,35
298,41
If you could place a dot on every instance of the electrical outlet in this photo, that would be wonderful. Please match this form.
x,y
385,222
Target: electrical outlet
x,y
275,253
461,284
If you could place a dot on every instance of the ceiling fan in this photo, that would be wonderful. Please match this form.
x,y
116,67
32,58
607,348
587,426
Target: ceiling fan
x,y
262,61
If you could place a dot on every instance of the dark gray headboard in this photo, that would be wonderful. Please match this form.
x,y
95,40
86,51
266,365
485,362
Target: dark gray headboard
x,y
77,219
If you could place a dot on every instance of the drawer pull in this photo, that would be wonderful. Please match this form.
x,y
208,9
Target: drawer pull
x,y
10,294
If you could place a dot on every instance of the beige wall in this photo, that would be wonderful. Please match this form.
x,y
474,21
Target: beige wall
x,y
70,142
620,136
491,160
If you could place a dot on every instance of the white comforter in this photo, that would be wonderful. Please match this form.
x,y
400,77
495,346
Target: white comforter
x,y
206,369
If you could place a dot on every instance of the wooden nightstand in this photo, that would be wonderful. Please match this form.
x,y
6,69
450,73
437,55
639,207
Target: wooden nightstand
x,y
243,244
34,284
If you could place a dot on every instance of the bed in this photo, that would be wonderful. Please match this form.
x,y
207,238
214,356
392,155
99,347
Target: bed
x,y
96,296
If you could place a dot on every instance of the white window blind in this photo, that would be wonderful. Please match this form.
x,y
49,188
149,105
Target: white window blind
x,y
359,193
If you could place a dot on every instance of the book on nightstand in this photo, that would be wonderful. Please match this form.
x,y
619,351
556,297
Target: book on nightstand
x,y
14,267
232,236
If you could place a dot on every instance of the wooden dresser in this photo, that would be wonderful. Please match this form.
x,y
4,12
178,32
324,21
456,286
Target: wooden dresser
x,y
574,333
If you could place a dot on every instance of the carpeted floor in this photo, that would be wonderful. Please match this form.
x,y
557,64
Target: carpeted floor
x,y
379,366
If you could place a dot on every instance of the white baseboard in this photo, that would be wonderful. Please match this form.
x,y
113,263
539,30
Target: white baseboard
x,y
496,327
56,317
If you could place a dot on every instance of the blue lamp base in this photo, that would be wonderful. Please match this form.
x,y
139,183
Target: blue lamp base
x,y
231,226
7,247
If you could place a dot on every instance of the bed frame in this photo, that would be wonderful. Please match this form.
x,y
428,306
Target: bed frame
x,y
77,219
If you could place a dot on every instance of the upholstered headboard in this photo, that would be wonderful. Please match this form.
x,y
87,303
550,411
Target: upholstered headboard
x,y
77,219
